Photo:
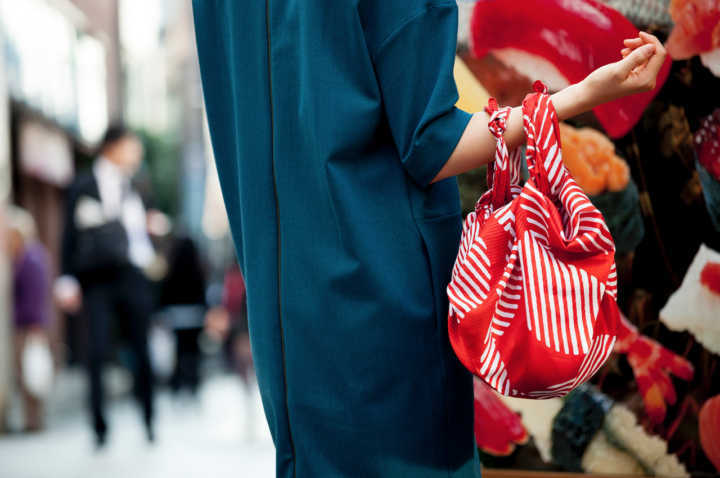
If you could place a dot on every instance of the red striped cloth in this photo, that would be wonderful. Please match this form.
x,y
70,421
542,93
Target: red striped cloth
x,y
533,292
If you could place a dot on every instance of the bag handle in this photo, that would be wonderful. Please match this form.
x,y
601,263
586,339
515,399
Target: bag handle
x,y
542,131
498,171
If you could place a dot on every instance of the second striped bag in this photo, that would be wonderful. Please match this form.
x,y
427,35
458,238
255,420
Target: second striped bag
x,y
533,307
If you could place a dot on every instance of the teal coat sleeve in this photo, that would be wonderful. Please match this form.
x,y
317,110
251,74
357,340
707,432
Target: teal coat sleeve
x,y
414,66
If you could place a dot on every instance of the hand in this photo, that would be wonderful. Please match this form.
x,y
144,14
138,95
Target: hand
x,y
217,323
68,294
635,73
71,304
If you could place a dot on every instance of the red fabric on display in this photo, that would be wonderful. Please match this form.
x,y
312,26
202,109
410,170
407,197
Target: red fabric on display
x,y
533,307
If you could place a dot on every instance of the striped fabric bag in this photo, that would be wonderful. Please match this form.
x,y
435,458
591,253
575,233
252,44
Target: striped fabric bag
x,y
533,307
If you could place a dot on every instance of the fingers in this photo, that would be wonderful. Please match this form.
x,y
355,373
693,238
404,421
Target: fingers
x,y
638,57
657,60
633,42
630,45
648,38
643,38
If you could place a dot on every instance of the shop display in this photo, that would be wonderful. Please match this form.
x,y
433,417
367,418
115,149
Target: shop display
x,y
707,144
589,432
560,43
711,192
652,366
707,148
543,244
591,160
696,31
695,306
710,277
497,428
578,421
643,13
621,210
709,419
651,165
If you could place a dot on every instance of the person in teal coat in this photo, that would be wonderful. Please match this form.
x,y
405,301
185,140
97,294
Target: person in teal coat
x,y
336,139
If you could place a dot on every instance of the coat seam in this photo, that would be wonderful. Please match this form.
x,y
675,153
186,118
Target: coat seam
x,y
437,314
278,236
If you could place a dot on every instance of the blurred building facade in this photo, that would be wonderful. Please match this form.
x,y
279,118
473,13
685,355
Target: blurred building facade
x,y
5,273
171,104
67,69
60,65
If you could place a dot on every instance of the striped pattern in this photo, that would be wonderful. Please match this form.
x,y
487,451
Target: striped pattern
x,y
601,350
532,295
493,369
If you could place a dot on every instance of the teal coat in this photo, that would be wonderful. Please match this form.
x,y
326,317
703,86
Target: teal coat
x,y
329,119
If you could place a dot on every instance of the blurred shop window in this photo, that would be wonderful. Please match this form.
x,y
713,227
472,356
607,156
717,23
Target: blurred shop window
x,y
39,54
45,153
91,88
53,66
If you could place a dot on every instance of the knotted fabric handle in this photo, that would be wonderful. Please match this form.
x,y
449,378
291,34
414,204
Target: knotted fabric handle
x,y
544,160
498,171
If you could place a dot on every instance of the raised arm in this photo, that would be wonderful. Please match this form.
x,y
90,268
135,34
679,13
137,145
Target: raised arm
x,y
634,73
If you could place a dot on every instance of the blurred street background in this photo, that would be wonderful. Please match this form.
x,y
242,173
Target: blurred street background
x,y
213,438
81,83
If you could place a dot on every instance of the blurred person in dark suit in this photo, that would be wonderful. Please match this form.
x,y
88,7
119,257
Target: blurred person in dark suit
x,y
182,297
105,250
31,306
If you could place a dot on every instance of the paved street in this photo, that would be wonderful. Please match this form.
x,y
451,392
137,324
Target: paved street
x,y
209,438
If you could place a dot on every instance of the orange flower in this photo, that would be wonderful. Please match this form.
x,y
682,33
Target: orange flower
x,y
590,158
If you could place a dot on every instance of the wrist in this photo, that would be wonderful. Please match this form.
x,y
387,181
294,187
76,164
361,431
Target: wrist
x,y
575,99
588,93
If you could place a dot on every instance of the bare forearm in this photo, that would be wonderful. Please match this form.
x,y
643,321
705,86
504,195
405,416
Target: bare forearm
x,y
477,146
575,100
636,72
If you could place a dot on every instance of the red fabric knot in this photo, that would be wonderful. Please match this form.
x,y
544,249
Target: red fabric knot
x,y
497,124
492,106
540,87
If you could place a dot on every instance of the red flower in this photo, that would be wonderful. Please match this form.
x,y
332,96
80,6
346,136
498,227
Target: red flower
x,y
652,365
497,428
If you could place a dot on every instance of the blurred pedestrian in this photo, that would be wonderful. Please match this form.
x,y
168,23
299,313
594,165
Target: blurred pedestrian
x,y
31,310
238,341
184,305
105,249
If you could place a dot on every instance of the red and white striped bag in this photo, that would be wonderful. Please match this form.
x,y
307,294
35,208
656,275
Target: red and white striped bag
x,y
533,307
